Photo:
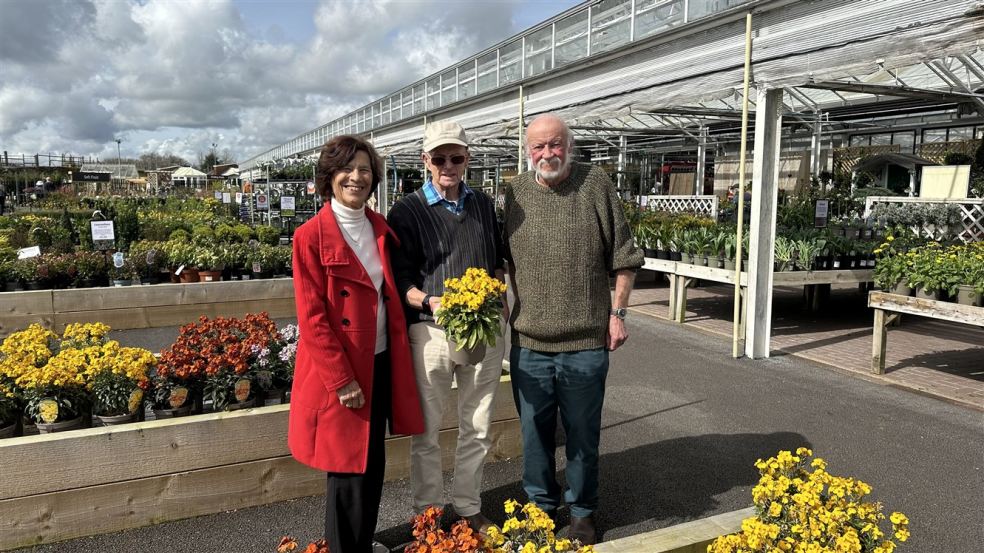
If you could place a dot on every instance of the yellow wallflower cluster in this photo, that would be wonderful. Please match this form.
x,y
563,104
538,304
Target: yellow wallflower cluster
x,y
472,290
803,511
528,531
470,308
27,360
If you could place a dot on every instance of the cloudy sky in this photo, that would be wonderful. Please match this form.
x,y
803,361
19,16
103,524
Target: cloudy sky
x,y
175,76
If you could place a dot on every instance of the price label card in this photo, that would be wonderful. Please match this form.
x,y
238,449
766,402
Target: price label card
x,y
218,196
25,253
118,259
227,197
821,213
179,269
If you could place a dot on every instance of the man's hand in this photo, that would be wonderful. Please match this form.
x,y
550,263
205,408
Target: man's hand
x,y
617,335
350,395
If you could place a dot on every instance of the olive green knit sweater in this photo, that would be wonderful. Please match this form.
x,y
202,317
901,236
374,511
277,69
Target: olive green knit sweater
x,y
563,242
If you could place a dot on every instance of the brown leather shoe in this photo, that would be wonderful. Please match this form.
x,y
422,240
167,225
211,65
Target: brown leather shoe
x,y
582,529
479,523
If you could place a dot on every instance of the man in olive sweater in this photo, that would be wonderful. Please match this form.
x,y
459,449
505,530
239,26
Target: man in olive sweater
x,y
565,232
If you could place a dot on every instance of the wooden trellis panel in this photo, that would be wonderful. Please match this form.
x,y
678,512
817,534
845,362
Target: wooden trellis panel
x,y
700,205
971,215
846,159
937,151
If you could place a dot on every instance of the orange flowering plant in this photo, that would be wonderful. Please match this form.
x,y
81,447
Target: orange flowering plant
x,y
213,356
430,538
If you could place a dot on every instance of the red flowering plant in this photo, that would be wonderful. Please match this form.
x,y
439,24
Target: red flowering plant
x,y
213,356
430,538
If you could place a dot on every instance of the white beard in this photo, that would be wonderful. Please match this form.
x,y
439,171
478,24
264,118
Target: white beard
x,y
545,172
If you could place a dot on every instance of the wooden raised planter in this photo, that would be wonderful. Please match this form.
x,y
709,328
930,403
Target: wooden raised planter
x,y
60,486
159,305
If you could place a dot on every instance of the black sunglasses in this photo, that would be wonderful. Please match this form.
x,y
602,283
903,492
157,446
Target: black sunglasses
x,y
439,160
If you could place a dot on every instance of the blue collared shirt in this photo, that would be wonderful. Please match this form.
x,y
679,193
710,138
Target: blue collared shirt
x,y
434,197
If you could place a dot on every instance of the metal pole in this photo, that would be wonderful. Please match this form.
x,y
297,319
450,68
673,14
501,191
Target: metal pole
x,y
119,162
519,160
741,185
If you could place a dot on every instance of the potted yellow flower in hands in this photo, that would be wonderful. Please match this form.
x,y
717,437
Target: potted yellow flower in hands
x,y
470,314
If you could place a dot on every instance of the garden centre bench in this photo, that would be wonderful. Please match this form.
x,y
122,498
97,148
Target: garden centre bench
x,y
889,307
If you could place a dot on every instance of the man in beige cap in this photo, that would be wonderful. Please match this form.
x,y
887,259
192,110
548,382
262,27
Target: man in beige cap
x,y
444,229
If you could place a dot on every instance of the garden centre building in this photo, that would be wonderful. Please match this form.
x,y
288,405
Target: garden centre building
x,y
653,91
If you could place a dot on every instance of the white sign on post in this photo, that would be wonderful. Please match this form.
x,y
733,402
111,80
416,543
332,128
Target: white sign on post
x,y
227,197
102,230
218,195
25,253
239,197
821,214
287,206
262,201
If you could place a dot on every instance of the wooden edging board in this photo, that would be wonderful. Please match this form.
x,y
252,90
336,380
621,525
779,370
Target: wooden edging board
x,y
60,486
689,537
150,306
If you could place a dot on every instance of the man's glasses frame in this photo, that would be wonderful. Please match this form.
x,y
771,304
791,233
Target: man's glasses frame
x,y
439,161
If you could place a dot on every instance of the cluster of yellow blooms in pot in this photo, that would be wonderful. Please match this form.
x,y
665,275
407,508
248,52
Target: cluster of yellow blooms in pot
x,y
800,511
470,309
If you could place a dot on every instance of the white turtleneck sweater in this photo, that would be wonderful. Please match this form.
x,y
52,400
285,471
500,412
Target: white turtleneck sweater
x,y
359,235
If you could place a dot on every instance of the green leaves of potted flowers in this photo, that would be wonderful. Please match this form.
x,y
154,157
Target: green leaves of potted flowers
x,y
807,251
784,250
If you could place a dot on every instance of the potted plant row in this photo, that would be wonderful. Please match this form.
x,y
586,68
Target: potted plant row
x,y
58,383
932,271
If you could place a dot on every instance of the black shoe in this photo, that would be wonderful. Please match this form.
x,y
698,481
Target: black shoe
x,y
582,529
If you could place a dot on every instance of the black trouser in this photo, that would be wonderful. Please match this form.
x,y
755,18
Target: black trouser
x,y
352,500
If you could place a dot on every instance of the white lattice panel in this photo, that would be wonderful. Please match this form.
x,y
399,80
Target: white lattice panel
x,y
971,215
700,205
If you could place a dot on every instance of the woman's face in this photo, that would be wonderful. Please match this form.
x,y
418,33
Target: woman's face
x,y
351,184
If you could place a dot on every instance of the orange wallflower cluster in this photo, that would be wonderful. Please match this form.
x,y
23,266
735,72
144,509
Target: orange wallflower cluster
x,y
431,539
289,545
208,347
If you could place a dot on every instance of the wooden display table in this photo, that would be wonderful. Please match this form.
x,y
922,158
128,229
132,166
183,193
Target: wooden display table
x,y
889,307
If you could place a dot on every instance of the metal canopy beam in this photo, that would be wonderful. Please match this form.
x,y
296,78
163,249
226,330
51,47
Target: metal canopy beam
x,y
888,90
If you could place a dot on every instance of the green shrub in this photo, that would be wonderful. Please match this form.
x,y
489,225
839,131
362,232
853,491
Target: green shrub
x,y
268,235
179,235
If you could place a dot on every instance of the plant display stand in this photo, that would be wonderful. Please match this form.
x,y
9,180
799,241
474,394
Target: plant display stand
x,y
99,480
889,307
682,275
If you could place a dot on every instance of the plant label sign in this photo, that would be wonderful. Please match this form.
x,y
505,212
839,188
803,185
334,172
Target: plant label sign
x,y
103,234
118,259
821,214
25,253
227,197
218,195
287,205
310,187
262,201
239,197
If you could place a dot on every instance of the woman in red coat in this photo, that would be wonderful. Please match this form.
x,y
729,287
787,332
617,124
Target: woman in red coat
x,y
354,370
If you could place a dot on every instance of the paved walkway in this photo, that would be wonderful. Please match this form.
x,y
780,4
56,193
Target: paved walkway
x,y
682,426
941,359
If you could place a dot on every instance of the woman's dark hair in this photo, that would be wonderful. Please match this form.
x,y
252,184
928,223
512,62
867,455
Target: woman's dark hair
x,y
336,154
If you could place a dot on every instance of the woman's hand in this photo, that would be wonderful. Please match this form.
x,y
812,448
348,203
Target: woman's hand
x,y
350,395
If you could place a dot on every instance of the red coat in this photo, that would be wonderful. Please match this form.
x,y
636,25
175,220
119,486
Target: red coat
x,y
336,312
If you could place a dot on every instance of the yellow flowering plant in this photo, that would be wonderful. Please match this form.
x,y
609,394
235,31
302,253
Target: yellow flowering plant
x,y
528,530
470,308
804,511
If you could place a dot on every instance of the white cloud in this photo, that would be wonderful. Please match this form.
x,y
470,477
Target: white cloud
x,y
181,75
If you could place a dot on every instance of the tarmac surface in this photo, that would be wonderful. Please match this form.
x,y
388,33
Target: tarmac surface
x,y
682,426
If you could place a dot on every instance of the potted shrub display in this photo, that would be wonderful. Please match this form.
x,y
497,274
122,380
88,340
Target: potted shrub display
x,y
119,383
91,269
209,264
273,366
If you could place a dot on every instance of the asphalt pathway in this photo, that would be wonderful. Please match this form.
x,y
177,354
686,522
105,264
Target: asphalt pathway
x,y
683,425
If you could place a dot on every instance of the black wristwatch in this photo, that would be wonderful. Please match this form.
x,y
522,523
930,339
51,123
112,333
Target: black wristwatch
x,y
621,312
425,305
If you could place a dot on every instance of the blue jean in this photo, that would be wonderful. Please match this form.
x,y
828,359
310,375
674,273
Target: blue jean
x,y
572,383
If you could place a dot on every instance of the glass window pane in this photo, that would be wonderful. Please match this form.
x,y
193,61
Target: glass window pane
x,y
610,22
418,99
881,139
571,40
466,80
486,72
510,56
538,52
905,139
433,93
960,133
654,16
859,140
449,89
407,105
703,8
934,135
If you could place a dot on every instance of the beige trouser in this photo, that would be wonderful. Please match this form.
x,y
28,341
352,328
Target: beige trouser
x,y
476,391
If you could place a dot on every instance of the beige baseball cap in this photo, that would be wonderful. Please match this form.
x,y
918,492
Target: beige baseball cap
x,y
440,133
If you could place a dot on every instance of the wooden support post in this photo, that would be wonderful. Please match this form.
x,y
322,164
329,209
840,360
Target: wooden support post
x,y
673,287
878,343
681,299
765,189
